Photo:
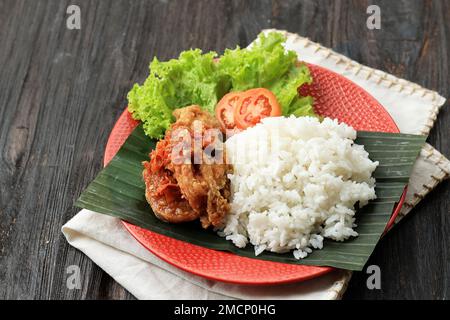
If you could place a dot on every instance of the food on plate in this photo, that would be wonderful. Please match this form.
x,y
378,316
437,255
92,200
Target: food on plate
x,y
286,179
184,182
203,79
296,181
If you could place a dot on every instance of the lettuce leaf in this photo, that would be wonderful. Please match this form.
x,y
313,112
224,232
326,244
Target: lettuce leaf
x,y
262,65
190,79
286,90
198,78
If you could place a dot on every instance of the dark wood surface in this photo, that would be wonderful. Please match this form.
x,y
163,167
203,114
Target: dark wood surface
x,y
62,90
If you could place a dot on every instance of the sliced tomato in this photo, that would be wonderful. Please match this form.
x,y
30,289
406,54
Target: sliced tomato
x,y
225,110
254,105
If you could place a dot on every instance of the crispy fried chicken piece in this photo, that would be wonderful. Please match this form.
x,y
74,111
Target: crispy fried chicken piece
x,y
217,207
165,199
162,191
185,117
190,191
192,186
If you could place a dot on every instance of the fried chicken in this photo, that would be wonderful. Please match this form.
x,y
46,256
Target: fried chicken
x,y
183,181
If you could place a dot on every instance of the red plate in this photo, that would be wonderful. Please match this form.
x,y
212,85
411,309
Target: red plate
x,y
335,97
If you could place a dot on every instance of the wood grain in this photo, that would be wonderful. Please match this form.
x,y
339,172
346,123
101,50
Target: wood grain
x,y
62,90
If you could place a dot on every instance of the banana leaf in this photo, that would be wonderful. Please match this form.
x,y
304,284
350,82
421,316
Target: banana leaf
x,y
118,191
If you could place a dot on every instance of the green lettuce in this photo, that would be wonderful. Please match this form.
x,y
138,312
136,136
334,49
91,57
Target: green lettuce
x,y
197,78
190,79
262,65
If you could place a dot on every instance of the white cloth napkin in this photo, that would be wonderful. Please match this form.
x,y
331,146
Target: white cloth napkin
x,y
109,245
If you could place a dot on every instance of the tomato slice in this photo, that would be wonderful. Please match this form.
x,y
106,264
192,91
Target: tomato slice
x,y
225,110
254,105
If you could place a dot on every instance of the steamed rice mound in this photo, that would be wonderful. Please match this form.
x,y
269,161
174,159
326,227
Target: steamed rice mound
x,y
295,182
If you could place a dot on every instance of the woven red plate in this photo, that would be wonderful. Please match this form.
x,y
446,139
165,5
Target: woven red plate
x,y
335,97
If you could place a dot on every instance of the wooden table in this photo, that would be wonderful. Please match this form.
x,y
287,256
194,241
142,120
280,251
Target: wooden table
x,y
62,90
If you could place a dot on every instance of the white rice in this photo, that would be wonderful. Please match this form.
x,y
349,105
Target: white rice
x,y
295,182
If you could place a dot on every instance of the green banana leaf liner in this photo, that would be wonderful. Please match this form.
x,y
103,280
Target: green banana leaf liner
x,y
119,191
